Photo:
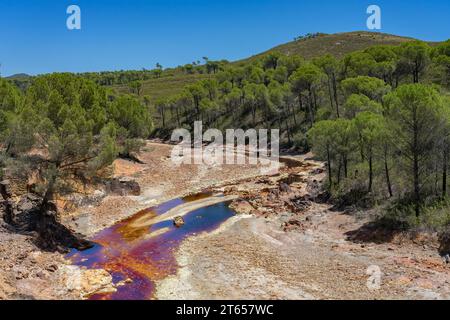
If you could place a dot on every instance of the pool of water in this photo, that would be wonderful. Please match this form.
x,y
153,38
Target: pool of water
x,y
144,252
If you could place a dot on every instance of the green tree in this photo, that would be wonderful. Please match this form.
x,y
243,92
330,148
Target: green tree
x,y
331,68
415,116
344,143
357,103
322,138
136,87
416,57
308,77
370,128
371,87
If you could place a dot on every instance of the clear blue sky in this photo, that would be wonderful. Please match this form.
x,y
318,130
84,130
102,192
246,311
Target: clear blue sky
x,y
134,34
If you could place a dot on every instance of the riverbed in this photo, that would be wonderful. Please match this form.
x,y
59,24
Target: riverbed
x,y
139,251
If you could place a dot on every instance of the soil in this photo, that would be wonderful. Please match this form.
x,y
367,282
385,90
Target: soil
x,y
278,253
285,243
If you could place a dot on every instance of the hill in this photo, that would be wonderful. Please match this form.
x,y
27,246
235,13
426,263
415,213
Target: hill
x,y
338,44
165,86
19,76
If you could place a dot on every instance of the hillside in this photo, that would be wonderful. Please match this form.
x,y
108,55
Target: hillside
x,y
338,44
19,76
165,86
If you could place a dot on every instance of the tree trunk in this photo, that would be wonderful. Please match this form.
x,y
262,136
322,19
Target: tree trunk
x,y
416,185
339,172
336,100
388,179
370,172
330,178
444,173
293,114
330,94
311,107
346,166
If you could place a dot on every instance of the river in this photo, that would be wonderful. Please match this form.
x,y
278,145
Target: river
x,y
139,251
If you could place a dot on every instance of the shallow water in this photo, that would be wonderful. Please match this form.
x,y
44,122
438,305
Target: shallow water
x,y
145,254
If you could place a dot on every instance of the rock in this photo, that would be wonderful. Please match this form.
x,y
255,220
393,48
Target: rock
x,y
291,225
124,282
52,268
41,274
87,282
444,242
25,213
178,222
6,290
5,189
263,180
299,203
242,207
123,187
21,272
79,200
284,187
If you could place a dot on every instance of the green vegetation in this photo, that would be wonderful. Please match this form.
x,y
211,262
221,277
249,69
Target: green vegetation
x,y
394,138
64,129
377,114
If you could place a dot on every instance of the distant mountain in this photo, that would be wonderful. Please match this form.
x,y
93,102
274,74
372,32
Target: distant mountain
x,y
19,76
338,44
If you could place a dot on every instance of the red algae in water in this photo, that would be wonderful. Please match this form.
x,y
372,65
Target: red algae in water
x,y
136,257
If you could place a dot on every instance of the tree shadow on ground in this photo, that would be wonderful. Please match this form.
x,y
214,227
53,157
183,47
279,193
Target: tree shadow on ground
x,y
378,232
46,232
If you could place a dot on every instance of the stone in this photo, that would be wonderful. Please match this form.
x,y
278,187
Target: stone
x,y
87,281
25,213
178,222
284,187
124,187
242,207
5,189
52,268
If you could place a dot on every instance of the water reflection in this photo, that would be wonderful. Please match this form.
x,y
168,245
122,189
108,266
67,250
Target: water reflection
x,y
144,253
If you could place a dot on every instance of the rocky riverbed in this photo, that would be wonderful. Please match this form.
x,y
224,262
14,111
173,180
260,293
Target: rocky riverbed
x,y
285,243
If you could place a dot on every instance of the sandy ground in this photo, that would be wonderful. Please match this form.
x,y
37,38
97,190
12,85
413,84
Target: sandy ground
x,y
251,257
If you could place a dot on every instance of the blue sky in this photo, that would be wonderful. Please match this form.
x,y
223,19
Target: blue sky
x,y
134,34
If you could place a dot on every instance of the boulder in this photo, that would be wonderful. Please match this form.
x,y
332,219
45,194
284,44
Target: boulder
x,y
123,187
5,189
284,187
444,243
87,282
178,222
24,214
242,207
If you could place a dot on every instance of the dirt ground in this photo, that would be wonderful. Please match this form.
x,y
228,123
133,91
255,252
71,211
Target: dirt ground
x,y
257,257
29,273
160,180
269,251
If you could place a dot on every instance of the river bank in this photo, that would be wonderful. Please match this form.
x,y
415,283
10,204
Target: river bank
x,y
285,242
276,253
30,273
